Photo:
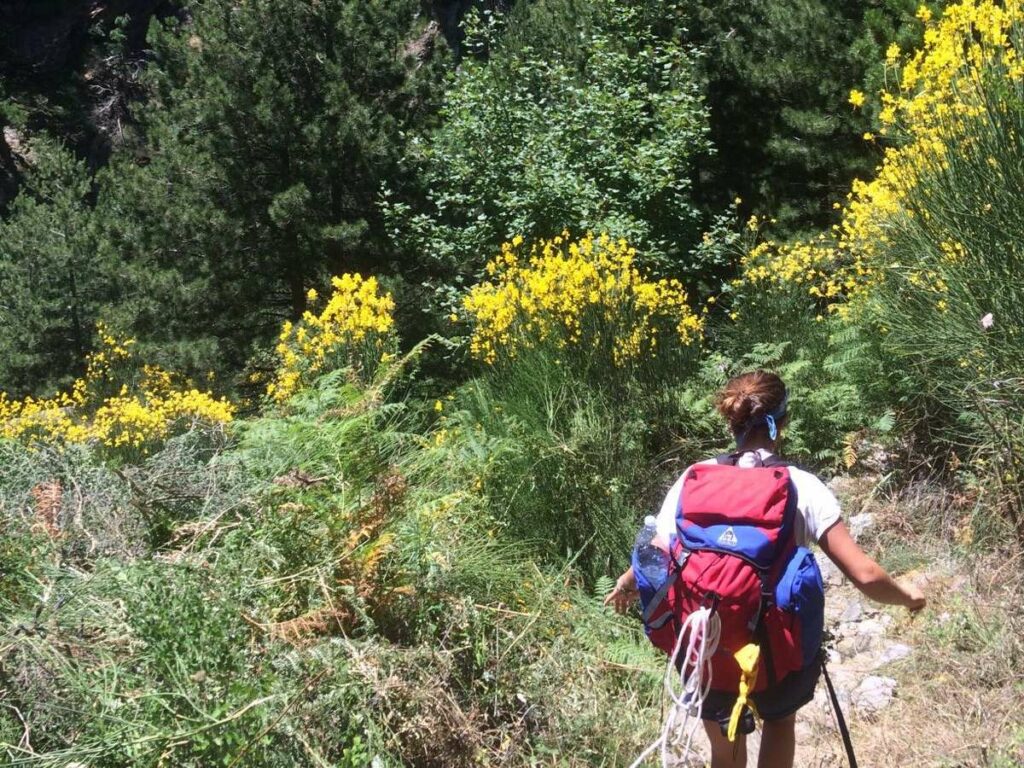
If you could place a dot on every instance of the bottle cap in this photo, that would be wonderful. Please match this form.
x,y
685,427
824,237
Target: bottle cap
x,y
650,521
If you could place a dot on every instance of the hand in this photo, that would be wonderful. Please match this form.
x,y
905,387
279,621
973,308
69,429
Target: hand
x,y
914,598
625,592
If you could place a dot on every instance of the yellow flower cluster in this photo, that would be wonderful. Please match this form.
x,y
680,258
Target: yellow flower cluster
x,y
813,265
573,293
136,419
357,315
940,92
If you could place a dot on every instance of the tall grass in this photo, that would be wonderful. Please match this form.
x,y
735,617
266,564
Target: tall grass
x,y
332,587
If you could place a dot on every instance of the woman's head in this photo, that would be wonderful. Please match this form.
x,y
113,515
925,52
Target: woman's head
x,y
754,404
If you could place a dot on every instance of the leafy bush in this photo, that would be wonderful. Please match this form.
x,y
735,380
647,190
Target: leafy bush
x,y
354,328
123,406
574,296
533,143
922,266
946,304
577,348
571,464
375,610
780,314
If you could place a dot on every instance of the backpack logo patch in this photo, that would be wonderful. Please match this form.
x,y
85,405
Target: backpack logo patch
x,y
728,537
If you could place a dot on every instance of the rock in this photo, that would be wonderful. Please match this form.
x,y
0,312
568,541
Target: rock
x,y
13,144
854,611
958,584
870,628
874,694
822,703
892,653
804,732
851,490
854,644
860,524
847,647
422,47
9,138
829,573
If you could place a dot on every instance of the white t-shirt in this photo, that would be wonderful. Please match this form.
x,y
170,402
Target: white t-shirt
x,y
817,506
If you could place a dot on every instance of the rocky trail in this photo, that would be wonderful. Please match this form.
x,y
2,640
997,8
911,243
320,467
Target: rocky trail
x,y
909,686
863,648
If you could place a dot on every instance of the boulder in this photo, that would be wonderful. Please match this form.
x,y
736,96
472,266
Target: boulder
x,y
874,694
853,612
891,653
860,524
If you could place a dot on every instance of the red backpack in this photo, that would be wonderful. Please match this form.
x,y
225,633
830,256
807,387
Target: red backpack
x,y
735,552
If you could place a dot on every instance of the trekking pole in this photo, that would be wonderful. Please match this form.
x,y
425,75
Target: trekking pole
x,y
840,720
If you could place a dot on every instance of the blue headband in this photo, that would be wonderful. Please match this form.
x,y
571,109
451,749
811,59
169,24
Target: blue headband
x,y
771,419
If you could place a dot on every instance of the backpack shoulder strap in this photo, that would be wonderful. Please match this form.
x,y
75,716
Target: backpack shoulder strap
x,y
778,461
732,459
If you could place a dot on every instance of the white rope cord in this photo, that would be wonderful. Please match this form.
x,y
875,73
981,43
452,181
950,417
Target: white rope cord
x,y
687,687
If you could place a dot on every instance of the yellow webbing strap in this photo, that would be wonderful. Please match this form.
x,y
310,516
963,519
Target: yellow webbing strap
x,y
747,657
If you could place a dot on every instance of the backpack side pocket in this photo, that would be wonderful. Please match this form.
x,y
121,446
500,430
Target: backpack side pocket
x,y
801,591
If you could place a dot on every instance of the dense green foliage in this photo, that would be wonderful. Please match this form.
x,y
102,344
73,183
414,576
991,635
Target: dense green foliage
x,y
531,144
396,556
294,114
788,143
266,132
952,356
51,276
245,151
336,585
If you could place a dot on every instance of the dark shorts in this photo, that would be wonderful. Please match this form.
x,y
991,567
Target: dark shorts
x,y
777,703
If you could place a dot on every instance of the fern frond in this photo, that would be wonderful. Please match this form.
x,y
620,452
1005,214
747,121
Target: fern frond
x,y
850,450
603,586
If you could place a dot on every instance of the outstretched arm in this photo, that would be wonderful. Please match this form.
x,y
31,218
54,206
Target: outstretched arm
x,y
867,575
625,592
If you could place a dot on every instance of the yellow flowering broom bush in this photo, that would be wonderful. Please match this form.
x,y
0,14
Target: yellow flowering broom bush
x,y
585,294
354,328
102,408
924,267
944,90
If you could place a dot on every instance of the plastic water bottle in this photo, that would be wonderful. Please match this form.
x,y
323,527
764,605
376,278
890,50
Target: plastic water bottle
x,y
651,559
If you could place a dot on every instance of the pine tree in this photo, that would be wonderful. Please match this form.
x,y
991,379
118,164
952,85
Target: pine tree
x,y
271,127
52,281
779,75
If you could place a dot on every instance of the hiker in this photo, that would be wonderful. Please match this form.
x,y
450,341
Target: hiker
x,y
754,405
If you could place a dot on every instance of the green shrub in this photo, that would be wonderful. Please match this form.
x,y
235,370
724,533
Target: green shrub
x,y
534,141
378,610
572,463
825,363
947,315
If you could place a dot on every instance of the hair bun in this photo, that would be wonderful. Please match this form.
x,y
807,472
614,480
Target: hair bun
x,y
748,396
